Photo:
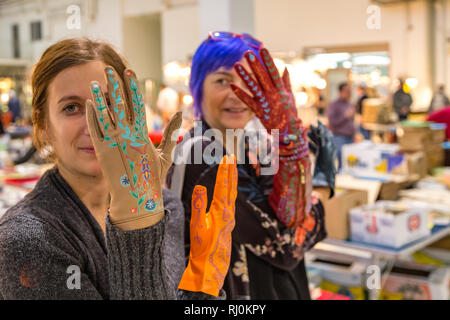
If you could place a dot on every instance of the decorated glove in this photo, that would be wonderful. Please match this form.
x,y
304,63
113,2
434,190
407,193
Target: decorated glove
x,y
322,145
273,102
133,168
210,232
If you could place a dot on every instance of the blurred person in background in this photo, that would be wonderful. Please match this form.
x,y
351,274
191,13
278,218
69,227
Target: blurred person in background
x,y
14,106
402,101
229,83
361,92
341,119
439,100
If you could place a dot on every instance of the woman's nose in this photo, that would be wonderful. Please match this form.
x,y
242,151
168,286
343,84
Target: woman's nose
x,y
85,126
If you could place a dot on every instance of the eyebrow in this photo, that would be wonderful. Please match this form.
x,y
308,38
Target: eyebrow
x,y
223,72
66,98
69,98
229,73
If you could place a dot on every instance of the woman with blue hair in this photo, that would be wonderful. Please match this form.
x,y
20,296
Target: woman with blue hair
x,y
233,79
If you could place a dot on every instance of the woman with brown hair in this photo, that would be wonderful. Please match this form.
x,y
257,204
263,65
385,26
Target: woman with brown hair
x,y
98,225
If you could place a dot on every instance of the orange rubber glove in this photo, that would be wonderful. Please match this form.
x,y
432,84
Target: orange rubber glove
x,y
210,232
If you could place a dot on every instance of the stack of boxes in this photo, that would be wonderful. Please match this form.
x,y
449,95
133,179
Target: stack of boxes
x,y
415,138
376,110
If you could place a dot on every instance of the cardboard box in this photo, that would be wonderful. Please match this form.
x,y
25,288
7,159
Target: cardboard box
x,y
417,164
370,110
414,281
413,138
417,136
414,166
377,185
337,210
339,275
368,158
437,133
389,190
388,223
435,155
376,111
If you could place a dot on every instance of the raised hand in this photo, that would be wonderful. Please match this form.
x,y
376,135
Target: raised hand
x,y
273,102
132,166
210,232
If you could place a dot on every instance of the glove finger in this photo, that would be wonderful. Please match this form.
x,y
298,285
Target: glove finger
x,y
221,186
168,142
286,80
260,72
107,125
246,98
116,96
271,67
92,122
199,201
199,226
136,111
251,84
287,86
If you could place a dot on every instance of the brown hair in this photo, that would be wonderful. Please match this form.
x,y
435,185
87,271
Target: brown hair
x,y
59,56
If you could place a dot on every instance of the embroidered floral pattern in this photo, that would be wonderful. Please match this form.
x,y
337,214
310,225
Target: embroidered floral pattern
x,y
240,266
124,181
150,205
271,246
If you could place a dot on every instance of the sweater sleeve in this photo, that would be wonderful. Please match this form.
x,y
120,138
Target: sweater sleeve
x,y
137,267
38,263
35,263
145,263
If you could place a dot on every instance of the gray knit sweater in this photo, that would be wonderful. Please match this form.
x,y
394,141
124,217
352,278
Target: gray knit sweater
x,y
51,247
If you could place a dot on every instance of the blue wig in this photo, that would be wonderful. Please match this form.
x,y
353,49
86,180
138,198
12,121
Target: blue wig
x,y
210,56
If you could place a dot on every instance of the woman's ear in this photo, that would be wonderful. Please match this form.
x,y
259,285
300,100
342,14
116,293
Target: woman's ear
x,y
44,135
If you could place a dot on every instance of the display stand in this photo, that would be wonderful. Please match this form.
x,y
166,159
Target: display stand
x,y
378,254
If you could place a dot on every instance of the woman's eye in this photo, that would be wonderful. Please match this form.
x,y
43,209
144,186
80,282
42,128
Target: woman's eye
x,y
71,109
222,81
